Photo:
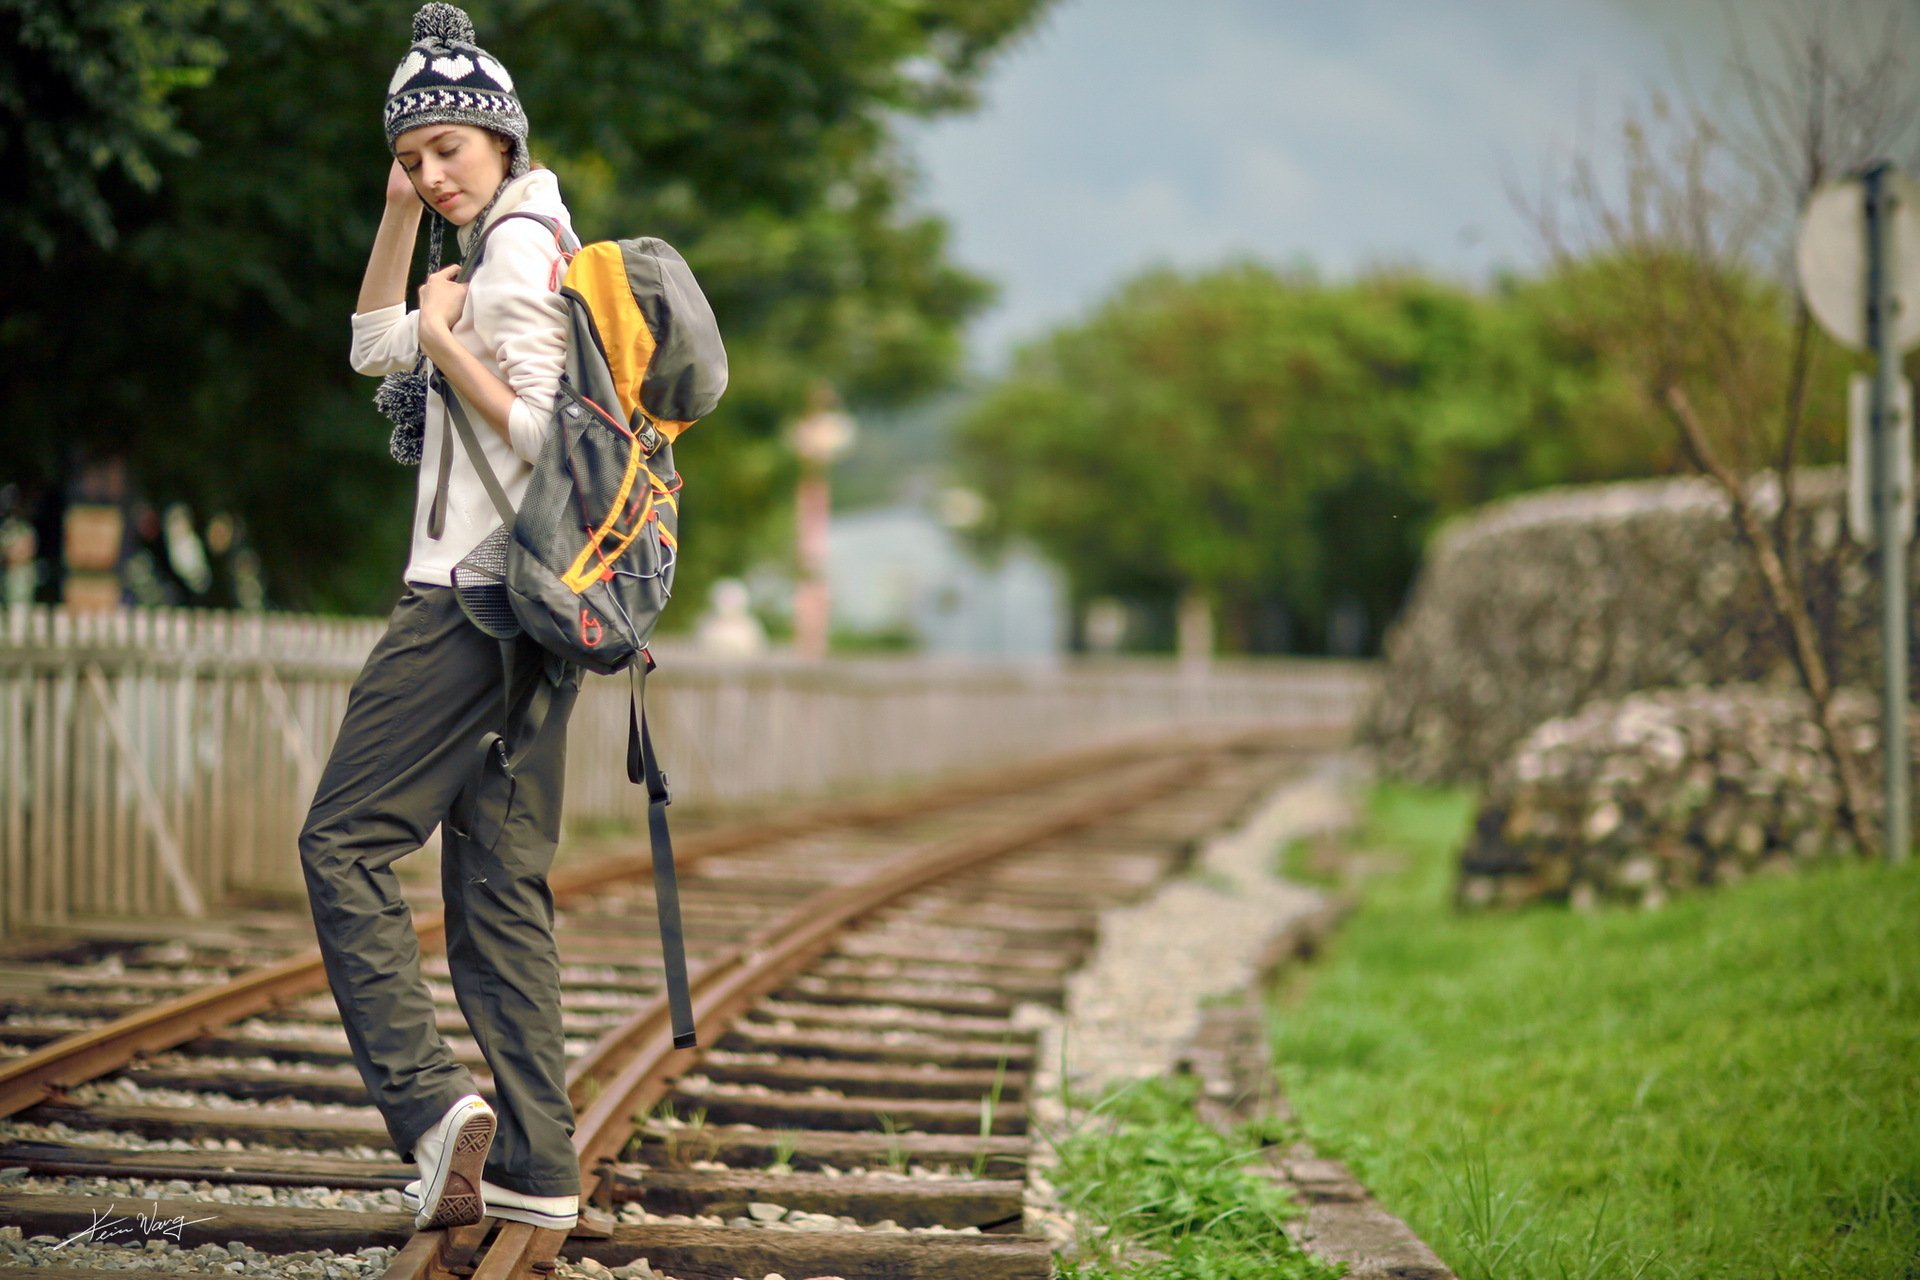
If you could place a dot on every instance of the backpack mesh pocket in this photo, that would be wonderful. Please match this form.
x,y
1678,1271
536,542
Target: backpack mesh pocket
x,y
480,584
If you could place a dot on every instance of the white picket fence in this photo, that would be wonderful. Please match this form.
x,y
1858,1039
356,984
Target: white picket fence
x,y
159,762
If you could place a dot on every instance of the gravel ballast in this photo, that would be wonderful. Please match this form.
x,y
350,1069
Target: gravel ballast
x,y
1132,1009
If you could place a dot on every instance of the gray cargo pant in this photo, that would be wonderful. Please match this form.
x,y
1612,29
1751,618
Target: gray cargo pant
x,y
408,757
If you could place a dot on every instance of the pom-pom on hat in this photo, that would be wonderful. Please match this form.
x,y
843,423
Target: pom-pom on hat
x,y
447,78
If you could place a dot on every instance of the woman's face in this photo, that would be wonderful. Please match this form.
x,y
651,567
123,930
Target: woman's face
x,y
456,168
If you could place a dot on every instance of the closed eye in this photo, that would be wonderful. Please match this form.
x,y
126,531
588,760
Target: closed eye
x,y
444,155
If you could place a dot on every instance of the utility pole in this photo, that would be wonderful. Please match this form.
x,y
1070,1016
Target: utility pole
x,y
1892,479
818,439
1858,259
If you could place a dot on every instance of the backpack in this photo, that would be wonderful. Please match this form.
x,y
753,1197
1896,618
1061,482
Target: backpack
x,y
586,565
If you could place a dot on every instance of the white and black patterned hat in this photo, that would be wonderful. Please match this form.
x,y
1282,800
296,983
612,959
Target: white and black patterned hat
x,y
447,78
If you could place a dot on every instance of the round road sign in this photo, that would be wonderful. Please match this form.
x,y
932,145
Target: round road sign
x,y
1832,259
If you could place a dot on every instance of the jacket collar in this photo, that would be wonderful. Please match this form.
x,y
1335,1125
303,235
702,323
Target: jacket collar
x,y
536,191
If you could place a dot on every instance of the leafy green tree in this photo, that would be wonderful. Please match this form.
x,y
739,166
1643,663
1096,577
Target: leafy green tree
x,y
1274,443
1611,324
200,327
1107,414
88,105
1242,434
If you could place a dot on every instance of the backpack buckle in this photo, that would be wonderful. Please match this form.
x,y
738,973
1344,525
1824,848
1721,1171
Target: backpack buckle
x,y
666,793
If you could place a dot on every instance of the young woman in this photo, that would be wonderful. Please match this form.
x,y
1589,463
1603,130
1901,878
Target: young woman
x,y
409,755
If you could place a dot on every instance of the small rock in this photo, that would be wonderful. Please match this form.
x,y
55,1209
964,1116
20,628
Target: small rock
x,y
761,1211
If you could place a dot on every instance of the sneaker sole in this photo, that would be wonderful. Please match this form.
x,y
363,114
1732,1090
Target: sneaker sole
x,y
459,1204
533,1217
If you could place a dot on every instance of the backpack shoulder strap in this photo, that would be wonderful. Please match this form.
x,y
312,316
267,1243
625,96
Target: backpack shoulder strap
x,y
464,427
562,236
456,415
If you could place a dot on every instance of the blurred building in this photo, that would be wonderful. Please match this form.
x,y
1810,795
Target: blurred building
x,y
902,572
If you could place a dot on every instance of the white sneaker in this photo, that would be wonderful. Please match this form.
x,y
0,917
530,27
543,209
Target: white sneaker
x,y
558,1213
451,1156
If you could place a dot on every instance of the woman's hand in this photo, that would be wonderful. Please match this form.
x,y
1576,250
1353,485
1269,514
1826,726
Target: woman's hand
x,y
442,298
400,192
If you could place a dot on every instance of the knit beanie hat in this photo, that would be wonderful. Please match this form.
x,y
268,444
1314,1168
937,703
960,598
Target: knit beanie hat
x,y
445,78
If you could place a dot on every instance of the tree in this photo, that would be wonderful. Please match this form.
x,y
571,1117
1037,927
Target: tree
x,y
1255,439
88,106
200,329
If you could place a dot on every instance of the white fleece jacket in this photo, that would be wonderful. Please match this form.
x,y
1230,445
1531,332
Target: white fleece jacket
x,y
517,325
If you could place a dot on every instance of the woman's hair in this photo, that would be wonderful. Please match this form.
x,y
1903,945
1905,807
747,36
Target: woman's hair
x,y
519,161
512,142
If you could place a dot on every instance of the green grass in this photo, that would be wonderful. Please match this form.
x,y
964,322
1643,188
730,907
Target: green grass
x,y
1725,1087
1168,1198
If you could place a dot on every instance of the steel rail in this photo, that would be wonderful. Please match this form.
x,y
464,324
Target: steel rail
x,y
632,1067
88,1054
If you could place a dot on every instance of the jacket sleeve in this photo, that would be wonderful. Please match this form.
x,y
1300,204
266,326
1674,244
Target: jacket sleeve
x,y
522,320
386,341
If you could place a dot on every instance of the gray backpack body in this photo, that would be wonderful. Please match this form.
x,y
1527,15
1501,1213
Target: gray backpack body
x,y
585,566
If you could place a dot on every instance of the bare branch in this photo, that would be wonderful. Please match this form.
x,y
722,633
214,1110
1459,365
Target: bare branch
x,y
1786,532
1789,606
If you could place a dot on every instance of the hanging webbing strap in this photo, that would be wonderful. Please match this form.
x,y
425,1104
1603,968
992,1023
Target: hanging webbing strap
x,y
437,513
643,766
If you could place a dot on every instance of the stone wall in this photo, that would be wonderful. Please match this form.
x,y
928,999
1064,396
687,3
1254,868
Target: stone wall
x,y
1638,798
1536,605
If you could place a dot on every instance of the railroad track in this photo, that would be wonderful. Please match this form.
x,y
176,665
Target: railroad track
x,y
860,1109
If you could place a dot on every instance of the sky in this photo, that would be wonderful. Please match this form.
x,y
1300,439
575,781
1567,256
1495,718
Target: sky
x,y
1340,134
